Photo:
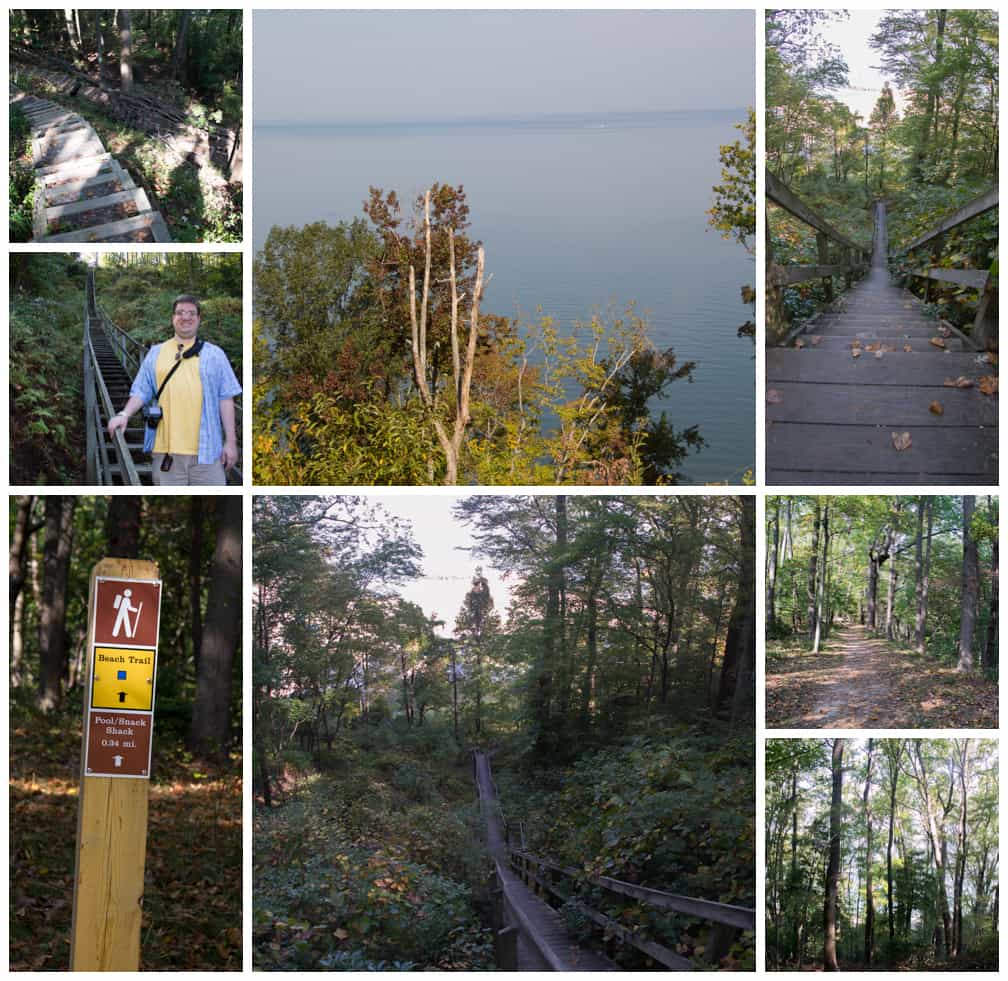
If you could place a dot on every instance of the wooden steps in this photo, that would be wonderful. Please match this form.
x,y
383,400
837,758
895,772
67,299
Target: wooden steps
x,y
840,401
86,195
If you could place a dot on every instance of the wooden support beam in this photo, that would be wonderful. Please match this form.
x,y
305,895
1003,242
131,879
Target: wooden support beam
x,y
979,206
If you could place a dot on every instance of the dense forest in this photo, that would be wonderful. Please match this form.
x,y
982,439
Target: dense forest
x,y
47,296
925,162
194,848
163,90
901,589
370,338
882,854
615,695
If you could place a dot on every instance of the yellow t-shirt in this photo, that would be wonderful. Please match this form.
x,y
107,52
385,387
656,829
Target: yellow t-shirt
x,y
181,401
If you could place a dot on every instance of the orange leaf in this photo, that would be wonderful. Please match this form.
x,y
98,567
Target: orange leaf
x,y
902,441
937,342
988,384
937,408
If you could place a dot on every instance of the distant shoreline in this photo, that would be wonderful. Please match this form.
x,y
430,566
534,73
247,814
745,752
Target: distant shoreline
x,y
544,120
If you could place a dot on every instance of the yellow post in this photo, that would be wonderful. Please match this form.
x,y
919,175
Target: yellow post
x,y
112,814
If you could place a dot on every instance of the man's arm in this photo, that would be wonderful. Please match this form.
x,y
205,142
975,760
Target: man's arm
x,y
227,413
133,404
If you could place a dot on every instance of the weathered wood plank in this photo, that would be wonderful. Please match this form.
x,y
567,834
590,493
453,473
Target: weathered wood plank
x,y
979,206
961,454
781,195
974,278
900,406
833,367
834,342
788,275
826,478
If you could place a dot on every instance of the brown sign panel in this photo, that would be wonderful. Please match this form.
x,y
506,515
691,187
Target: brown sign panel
x,y
118,744
127,612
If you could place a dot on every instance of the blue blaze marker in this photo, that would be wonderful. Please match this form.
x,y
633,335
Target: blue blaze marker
x,y
120,675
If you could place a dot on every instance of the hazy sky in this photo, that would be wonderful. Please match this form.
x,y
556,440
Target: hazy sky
x,y
448,570
851,37
379,66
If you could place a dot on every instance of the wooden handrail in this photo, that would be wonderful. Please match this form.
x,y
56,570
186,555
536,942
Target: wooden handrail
x,y
781,195
705,909
977,207
130,475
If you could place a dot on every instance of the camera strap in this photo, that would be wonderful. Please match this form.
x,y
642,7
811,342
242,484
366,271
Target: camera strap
x,y
193,352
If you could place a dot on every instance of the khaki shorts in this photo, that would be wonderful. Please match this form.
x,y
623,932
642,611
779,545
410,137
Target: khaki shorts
x,y
186,472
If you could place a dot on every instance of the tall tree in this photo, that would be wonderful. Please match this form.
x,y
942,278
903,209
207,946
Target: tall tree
x,y
211,721
970,586
53,665
833,861
125,51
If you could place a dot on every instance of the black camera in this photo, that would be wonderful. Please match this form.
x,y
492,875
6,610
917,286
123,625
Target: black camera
x,y
152,415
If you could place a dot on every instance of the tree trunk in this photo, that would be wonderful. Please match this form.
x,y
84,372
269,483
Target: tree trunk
x,y
833,866
196,577
125,51
869,928
178,63
891,593
20,538
52,613
211,722
811,589
969,587
821,587
773,550
740,634
990,652
963,746
122,526
938,847
919,579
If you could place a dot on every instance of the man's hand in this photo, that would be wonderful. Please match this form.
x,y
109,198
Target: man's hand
x,y
230,455
118,421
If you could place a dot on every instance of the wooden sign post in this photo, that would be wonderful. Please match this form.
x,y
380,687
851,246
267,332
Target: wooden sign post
x,y
124,609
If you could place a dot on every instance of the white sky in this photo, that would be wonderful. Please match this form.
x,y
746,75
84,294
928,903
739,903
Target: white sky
x,y
866,79
448,571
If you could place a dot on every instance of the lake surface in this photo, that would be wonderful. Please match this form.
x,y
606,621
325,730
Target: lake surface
x,y
576,214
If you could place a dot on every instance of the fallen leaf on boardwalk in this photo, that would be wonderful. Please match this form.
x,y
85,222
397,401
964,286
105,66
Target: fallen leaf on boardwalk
x,y
937,408
902,441
988,384
961,382
878,354
855,352
817,340
990,357
856,342
888,347
944,331
799,343
937,342
873,347
774,397
908,348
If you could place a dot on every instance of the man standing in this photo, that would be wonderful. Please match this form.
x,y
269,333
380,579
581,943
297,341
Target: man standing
x,y
193,387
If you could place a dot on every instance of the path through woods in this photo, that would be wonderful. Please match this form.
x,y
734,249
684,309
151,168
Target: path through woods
x,y
878,392
865,682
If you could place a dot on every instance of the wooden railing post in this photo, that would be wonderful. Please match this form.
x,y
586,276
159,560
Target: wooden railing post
x,y
776,317
937,245
822,244
507,949
985,326
90,412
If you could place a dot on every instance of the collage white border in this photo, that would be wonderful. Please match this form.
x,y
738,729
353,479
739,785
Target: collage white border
x,y
759,490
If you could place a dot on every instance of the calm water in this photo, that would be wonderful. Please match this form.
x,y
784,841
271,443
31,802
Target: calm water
x,y
575,214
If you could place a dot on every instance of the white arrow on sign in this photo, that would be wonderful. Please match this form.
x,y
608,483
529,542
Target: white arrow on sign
x,y
117,760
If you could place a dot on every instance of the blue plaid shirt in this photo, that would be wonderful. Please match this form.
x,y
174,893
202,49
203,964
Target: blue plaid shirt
x,y
218,381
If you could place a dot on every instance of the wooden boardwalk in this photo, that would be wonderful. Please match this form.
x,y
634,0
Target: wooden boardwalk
x,y
83,193
543,941
870,376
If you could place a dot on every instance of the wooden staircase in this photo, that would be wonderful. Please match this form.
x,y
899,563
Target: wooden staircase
x,y
879,392
83,193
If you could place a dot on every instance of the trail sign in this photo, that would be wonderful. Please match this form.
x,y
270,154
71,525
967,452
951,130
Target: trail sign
x,y
124,610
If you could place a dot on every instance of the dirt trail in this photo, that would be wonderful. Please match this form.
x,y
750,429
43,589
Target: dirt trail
x,y
864,682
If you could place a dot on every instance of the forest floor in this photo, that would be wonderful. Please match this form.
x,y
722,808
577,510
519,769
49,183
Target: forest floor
x,y
193,877
864,682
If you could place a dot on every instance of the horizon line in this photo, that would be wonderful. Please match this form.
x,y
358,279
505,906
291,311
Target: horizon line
x,y
490,119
